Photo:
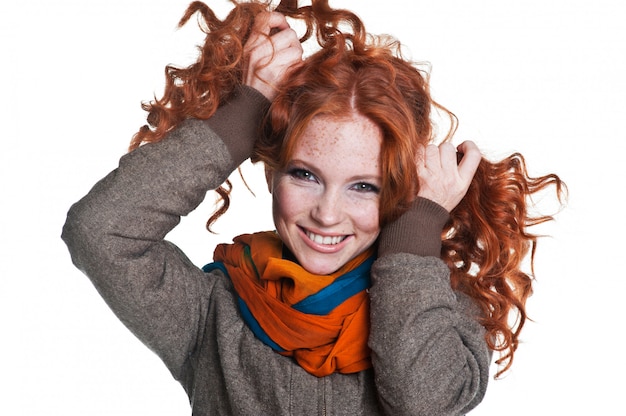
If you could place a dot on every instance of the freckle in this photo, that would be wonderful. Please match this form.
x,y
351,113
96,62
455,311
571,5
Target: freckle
x,y
313,148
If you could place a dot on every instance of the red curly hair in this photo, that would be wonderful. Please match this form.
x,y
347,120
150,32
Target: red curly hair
x,y
486,239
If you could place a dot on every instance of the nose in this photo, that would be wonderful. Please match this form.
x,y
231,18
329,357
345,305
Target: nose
x,y
329,208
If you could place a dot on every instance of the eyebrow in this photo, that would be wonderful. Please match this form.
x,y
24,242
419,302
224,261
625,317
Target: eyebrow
x,y
366,178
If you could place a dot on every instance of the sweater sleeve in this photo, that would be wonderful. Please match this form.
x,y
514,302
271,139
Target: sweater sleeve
x,y
417,231
115,234
429,353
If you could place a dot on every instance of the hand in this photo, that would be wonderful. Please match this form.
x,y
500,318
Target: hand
x,y
272,49
441,179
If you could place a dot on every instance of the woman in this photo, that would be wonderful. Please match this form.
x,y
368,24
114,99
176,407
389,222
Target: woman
x,y
394,265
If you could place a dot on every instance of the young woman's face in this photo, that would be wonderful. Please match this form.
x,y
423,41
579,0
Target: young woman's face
x,y
326,201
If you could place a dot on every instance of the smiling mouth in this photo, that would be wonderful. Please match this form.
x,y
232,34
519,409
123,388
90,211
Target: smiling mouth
x,y
326,240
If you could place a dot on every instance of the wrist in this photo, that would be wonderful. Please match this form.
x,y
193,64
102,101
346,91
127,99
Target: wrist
x,y
417,231
237,121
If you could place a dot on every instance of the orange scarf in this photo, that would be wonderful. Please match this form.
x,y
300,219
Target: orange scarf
x,y
281,303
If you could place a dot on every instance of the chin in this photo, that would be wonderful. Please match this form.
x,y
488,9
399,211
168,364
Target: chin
x,y
320,268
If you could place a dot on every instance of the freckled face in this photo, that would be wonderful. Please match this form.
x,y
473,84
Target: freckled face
x,y
326,201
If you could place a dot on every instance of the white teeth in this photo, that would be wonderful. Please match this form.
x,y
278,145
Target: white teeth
x,y
324,240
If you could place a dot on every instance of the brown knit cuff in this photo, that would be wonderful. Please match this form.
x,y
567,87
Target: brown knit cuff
x,y
417,231
237,121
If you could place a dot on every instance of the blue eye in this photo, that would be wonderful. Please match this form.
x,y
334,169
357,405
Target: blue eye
x,y
365,187
301,174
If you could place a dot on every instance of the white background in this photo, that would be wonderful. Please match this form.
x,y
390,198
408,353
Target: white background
x,y
545,78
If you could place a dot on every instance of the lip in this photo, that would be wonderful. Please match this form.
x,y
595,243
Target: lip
x,y
323,248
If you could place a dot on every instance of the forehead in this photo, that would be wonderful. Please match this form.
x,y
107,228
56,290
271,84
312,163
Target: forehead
x,y
340,140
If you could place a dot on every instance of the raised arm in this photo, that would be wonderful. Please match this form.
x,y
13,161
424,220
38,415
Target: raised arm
x,y
428,349
115,233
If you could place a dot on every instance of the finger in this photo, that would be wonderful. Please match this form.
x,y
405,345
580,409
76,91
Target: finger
x,y
264,26
432,161
470,161
285,39
263,47
447,154
267,22
289,57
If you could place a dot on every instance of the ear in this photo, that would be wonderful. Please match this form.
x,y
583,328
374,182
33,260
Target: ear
x,y
269,177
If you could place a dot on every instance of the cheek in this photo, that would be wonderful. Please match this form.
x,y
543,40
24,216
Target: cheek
x,y
278,205
287,202
367,217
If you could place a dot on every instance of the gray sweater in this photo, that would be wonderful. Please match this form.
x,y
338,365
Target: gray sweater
x,y
428,351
